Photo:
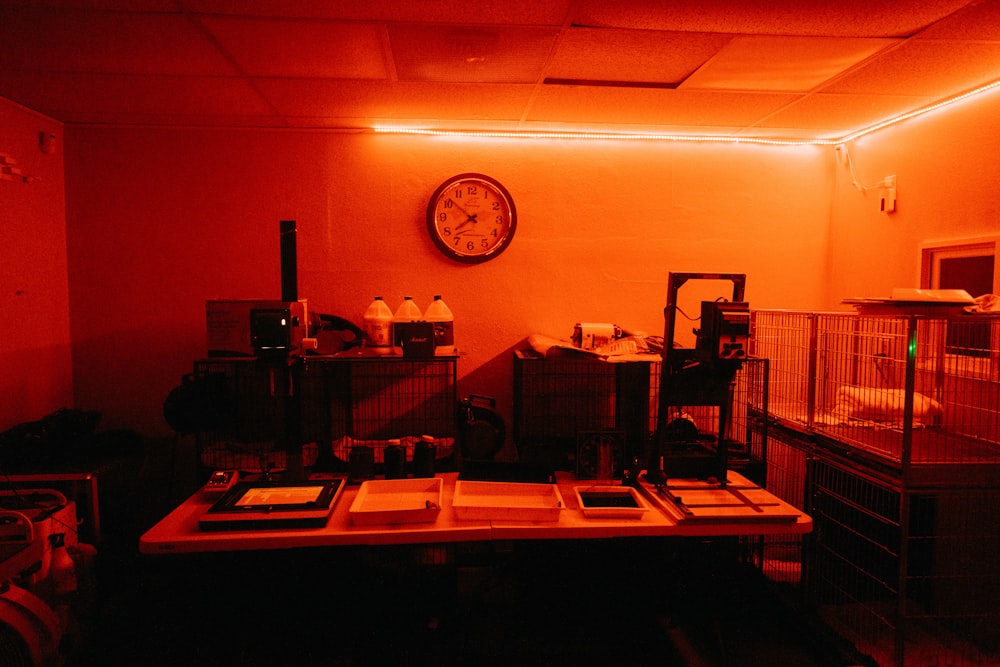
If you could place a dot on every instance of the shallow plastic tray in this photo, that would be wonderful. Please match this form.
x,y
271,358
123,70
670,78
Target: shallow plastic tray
x,y
610,501
516,501
384,501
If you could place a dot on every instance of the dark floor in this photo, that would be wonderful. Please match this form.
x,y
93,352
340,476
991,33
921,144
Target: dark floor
x,y
615,602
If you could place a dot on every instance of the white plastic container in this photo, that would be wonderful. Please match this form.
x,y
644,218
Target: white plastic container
x,y
378,326
513,501
439,314
392,501
407,312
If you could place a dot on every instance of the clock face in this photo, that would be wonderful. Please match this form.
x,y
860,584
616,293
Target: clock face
x,y
471,218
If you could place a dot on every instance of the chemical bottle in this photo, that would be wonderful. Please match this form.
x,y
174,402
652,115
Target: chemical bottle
x,y
63,570
378,326
407,312
440,316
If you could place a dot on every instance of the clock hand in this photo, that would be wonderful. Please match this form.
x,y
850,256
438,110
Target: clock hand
x,y
471,218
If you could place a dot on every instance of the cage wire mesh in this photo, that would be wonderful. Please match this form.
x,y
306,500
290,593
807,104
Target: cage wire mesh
x,y
902,559
403,400
557,399
853,566
845,375
784,339
340,403
781,556
256,411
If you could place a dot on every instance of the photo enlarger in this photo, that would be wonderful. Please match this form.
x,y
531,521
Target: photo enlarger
x,y
701,376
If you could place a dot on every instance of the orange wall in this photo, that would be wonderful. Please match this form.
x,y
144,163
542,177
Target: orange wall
x,y
159,220
947,175
35,368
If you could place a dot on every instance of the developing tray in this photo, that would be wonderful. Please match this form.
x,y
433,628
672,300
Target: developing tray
x,y
385,501
516,501
610,501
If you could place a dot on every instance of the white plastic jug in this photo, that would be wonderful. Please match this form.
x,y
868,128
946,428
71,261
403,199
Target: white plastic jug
x,y
378,326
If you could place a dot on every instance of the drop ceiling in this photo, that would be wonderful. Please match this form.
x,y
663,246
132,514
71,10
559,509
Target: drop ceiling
x,y
812,69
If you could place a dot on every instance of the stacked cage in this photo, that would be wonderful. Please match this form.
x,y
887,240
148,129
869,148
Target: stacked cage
x,y
252,414
892,426
338,403
380,402
560,401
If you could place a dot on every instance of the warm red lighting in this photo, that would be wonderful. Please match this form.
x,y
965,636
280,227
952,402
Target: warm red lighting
x,y
690,138
616,136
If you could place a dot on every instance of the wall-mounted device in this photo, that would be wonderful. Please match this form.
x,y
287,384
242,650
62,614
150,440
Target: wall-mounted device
x,y
887,194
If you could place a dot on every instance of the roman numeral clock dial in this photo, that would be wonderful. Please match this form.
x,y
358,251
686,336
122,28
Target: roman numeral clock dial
x,y
471,218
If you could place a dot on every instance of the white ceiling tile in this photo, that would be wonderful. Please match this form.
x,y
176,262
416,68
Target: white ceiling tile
x,y
796,64
482,12
168,6
60,93
651,107
975,21
841,112
925,68
470,54
268,47
44,39
828,18
610,54
317,98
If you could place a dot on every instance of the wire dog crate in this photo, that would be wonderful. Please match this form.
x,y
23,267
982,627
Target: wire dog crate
x,y
905,390
378,402
885,430
558,399
342,402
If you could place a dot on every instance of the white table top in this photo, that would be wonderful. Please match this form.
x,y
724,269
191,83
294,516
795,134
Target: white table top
x,y
740,509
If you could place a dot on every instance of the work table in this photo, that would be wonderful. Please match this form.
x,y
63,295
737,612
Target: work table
x,y
735,515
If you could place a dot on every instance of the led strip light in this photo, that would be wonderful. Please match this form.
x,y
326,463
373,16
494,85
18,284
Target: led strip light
x,y
690,138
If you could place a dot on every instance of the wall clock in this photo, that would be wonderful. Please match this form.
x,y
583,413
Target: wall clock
x,y
471,218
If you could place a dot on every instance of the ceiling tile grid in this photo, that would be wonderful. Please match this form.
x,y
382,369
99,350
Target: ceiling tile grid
x,y
742,67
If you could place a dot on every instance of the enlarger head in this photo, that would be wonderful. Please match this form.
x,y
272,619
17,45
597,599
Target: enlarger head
x,y
276,332
725,332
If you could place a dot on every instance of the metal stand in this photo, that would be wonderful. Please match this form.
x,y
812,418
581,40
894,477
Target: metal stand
x,y
285,383
699,376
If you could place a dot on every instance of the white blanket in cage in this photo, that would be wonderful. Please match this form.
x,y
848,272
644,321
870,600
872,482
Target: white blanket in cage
x,y
884,405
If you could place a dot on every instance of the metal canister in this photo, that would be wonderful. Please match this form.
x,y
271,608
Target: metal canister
x,y
395,461
424,453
